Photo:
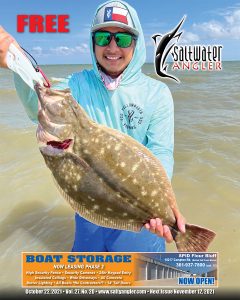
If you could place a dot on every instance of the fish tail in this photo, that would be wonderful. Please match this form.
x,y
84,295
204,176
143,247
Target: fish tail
x,y
195,239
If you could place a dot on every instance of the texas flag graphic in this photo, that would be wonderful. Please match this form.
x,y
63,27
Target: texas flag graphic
x,y
115,14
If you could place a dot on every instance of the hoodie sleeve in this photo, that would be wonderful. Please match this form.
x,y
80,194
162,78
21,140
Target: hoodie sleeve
x,y
160,133
29,97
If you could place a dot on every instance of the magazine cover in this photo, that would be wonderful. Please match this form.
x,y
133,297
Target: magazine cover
x,y
119,157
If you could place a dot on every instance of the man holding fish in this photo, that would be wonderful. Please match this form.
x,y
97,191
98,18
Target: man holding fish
x,y
117,94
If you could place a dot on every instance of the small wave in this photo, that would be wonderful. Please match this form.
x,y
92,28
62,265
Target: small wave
x,y
56,79
193,79
6,91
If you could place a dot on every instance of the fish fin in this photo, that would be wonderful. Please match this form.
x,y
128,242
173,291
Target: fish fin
x,y
195,239
96,218
178,35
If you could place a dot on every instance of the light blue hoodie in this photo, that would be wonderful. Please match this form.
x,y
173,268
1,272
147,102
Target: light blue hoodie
x,y
140,107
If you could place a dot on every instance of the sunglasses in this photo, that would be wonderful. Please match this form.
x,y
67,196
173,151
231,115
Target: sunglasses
x,y
122,39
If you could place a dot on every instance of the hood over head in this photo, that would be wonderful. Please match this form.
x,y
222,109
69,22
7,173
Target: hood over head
x,y
120,14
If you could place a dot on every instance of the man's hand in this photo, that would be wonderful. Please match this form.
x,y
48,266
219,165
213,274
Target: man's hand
x,y
5,40
156,226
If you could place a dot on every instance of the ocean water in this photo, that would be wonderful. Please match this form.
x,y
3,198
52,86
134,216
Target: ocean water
x,y
206,181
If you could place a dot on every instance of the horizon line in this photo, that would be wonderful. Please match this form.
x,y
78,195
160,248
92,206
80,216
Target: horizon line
x,y
54,64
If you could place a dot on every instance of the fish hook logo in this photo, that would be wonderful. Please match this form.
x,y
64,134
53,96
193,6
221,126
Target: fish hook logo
x,y
164,47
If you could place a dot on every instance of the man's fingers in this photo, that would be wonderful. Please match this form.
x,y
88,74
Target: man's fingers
x,y
4,34
147,226
5,41
153,224
159,227
181,224
156,226
6,37
167,234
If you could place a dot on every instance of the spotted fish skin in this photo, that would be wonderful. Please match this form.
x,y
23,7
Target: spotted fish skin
x,y
105,175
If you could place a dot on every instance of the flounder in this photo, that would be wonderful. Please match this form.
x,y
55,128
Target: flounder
x,y
106,176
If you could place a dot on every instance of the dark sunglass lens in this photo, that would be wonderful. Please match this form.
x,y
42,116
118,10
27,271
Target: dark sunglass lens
x,y
102,38
123,40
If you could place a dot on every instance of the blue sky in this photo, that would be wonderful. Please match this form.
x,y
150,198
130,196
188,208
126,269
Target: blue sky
x,y
208,22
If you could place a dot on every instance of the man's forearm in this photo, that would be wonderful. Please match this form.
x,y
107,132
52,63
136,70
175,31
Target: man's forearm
x,y
28,98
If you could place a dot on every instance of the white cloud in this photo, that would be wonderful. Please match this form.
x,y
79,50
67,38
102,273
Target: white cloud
x,y
64,50
83,48
188,37
212,29
228,28
233,17
61,50
37,51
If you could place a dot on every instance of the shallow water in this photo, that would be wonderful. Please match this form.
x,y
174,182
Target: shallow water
x,y
34,216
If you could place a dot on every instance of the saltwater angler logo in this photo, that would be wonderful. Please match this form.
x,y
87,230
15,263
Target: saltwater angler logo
x,y
184,57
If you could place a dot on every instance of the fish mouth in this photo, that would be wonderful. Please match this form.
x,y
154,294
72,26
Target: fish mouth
x,y
56,148
60,145
51,145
